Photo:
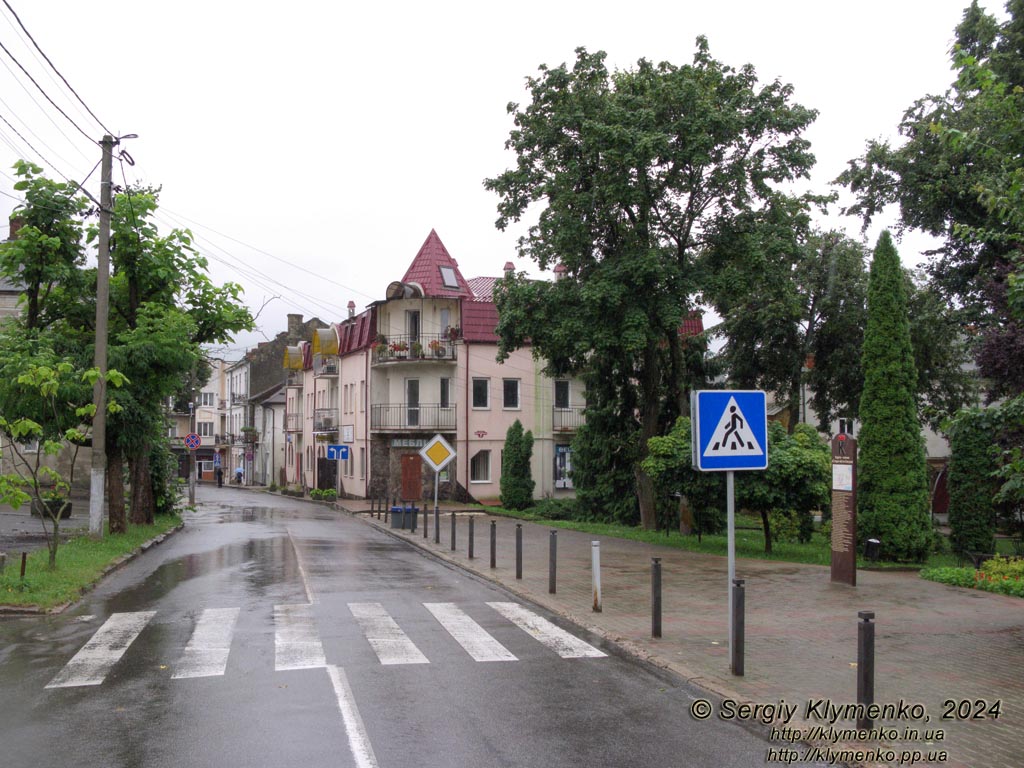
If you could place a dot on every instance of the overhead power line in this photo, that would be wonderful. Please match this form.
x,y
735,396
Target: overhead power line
x,y
46,95
54,68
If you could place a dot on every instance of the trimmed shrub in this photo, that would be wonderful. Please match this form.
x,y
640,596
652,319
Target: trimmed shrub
x,y
516,482
972,513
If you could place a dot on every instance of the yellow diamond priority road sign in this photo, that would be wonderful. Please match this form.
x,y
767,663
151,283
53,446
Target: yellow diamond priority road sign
x,y
437,453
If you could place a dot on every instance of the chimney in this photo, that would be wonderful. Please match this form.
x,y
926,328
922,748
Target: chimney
x,y
351,310
559,272
294,328
509,268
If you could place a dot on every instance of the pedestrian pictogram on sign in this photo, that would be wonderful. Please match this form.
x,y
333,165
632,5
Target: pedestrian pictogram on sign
x,y
730,430
733,437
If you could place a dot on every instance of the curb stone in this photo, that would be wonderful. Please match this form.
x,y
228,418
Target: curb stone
x,y
118,562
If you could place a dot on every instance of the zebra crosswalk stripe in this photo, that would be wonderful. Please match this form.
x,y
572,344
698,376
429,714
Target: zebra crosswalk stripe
x,y
477,642
387,639
296,642
97,657
557,639
206,654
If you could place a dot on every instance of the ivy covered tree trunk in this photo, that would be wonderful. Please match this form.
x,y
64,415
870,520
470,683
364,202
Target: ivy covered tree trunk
x,y
892,494
142,490
117,521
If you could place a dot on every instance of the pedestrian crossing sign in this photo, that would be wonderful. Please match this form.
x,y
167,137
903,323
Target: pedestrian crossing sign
x,y
730,430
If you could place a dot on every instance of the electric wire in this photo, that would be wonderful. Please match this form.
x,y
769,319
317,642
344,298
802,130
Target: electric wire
x,y
54,68
29,145
41,108
36,136
46,95
317,275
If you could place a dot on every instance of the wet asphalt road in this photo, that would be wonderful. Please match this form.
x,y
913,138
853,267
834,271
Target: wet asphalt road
x,y
268,556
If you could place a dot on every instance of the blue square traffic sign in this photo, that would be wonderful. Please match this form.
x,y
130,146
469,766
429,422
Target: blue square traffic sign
x,y
730,430
337,452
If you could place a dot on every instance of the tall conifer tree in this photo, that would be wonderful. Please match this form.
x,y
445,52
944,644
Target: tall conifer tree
x,y
892,494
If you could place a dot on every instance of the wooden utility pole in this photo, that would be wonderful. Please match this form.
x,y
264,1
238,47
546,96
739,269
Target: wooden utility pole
x,y
98,472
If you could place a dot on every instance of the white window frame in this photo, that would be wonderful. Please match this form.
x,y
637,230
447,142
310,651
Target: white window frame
x,y
487,390
519,395
204,428
474,467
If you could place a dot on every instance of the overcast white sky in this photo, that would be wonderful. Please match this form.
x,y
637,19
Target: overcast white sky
x,y
312,146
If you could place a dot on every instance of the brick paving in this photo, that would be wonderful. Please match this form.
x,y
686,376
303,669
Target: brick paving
x,y
933,642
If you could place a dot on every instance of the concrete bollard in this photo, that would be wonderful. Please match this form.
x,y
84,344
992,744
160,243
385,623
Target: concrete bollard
x,y
552,560
494,544
595,574
470,537
655,597
865,664
519,550
736,641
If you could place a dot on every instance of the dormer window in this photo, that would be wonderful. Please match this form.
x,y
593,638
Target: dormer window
x,y
448,278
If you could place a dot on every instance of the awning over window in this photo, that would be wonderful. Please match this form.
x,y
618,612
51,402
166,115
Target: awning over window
x,y
293,358
325,341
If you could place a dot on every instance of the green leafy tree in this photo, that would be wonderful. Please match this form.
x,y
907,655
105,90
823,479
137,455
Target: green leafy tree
x,y
632,171
60,392
701,495
892,494
516,481
796,483
45,258
959,175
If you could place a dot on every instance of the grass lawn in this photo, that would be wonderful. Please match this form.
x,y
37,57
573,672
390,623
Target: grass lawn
x,y
80,563
749,543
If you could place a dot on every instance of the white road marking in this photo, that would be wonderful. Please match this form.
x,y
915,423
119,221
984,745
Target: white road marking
x,y
94,661
358,741
475,639
388,641
206,654
555,638
296,642
310,595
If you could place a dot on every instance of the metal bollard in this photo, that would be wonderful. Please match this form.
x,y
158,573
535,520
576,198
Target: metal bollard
x,y
425,521
494,544
386,511
437,525
519,550
412,516
453,530
655,597
24,560
736,641
552,560
865,664
470,537
3,562
595,573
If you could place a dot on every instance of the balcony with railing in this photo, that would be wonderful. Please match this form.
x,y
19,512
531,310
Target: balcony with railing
x,y
325,420
293,422
423,348
403,416
294,379
238,397
568,419
325,365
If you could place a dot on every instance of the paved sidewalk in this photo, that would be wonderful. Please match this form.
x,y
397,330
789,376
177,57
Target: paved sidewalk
x,y
933,642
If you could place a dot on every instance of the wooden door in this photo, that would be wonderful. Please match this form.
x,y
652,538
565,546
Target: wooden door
x,y
412,477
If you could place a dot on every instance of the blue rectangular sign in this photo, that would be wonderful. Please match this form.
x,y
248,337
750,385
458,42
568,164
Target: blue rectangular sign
x,y
730,430
337,452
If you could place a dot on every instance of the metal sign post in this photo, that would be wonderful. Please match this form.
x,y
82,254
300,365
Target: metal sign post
x,y
729,433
